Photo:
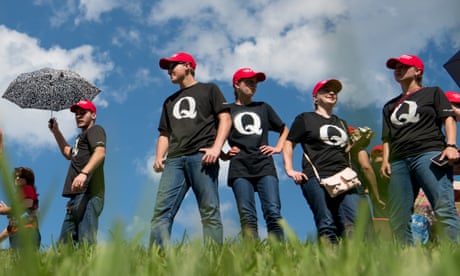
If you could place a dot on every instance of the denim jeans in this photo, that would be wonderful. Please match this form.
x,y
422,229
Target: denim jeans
x,y
82,227
407,177
180,174
268,190
334,217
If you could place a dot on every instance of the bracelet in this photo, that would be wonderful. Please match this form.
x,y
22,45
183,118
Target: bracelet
x,y
85,173
451,146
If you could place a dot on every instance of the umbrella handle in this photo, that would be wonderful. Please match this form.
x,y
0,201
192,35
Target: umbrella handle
x,y
51,120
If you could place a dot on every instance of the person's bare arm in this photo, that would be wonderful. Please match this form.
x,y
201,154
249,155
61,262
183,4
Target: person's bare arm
x,y
96,159
450,153
268,150
211,155
385,169
162,149
368,172
288,152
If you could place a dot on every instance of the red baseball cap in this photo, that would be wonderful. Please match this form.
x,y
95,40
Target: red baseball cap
x,y
177,57
453,97
331,85
247,73
350,129
377,150
83,104
409,60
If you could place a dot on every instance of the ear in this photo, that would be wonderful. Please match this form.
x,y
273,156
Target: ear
x,y
93,115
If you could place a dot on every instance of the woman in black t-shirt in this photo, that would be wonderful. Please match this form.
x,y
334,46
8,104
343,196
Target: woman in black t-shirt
x,y
251,163
412,135
323,136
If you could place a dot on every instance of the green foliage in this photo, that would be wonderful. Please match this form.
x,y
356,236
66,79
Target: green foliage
x,y
240,257
118,256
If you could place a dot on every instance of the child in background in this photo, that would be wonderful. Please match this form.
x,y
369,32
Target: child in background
x,y
25,184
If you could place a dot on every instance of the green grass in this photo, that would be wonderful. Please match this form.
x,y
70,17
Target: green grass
x,y
293,257
119,256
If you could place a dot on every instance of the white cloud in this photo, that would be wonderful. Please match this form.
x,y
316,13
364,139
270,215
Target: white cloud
x,y
301,42
21,53
87,10
124,36
145,167
92,9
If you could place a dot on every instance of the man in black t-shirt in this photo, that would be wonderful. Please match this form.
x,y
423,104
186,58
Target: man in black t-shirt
x,y
194,124
84,185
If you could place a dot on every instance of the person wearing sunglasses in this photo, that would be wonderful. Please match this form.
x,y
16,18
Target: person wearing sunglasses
x,y
194,125
85,183
22,223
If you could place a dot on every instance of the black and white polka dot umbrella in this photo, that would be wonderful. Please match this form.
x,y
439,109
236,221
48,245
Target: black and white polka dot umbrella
x,y
49,89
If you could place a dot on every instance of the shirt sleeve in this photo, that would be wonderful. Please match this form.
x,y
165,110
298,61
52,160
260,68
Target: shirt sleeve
x,y
96,137
297,129
28,191
276,124
219,102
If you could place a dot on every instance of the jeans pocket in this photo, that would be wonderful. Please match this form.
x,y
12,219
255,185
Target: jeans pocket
x,y
77,206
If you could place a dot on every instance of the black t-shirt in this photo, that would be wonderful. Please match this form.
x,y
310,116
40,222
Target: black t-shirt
x,y
324,140
251,124
190,117
82,149
415,126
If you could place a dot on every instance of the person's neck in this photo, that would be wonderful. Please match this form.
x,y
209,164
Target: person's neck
x,y
187,82
410,88
243,101
85,128
325,112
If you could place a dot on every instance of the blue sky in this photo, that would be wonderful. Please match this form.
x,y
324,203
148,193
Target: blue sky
x,y
117,45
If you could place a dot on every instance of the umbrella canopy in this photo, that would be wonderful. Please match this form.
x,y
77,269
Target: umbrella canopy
x,y
49,89
453,67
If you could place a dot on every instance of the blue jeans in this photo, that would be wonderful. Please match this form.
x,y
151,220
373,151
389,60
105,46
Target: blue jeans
x,y
407,177
334,217
180,174
82,219
268,190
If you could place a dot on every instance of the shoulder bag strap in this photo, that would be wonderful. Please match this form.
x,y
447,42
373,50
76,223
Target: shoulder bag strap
x,y
312,166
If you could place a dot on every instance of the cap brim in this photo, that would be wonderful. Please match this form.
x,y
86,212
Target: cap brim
x,y
164,63
391,63
334,85
261,77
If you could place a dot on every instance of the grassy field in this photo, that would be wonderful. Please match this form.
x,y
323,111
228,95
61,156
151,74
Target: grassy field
x,y
119,256
292,257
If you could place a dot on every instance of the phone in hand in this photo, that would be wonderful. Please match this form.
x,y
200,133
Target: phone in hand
x,y
436,160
